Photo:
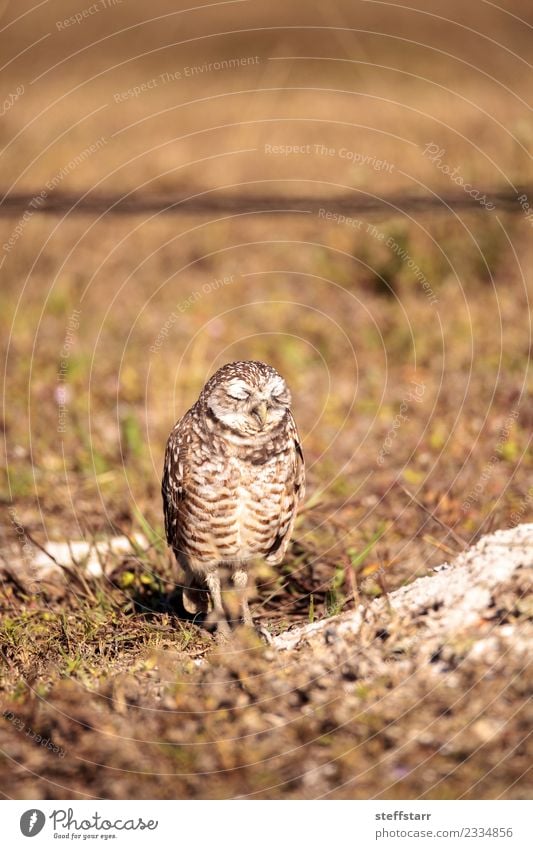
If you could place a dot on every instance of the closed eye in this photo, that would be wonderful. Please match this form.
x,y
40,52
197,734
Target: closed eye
x,y
239,393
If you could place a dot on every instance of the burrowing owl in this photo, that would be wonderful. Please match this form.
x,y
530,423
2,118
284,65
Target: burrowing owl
x,y
232,482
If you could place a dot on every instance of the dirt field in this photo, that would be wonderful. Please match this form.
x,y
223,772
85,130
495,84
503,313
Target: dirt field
x,y
405,338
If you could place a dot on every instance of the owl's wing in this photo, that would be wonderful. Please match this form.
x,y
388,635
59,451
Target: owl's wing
x,y
293,496
299,469
172,485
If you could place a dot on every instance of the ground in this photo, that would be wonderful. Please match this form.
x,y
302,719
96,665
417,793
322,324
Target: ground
x,y
405,338
422,693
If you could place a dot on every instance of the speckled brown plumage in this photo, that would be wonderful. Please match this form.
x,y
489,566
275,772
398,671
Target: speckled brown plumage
x,y
232,481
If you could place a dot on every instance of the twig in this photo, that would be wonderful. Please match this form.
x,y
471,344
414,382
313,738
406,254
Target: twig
x,y
380,577
435,518
78,578
440,545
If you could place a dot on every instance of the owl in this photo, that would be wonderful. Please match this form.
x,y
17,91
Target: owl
x,y
232,482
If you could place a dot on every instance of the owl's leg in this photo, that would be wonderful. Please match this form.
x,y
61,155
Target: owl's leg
x,y
212,580
240,581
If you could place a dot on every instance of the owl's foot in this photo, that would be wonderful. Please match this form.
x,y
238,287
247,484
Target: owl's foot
x,y
264,634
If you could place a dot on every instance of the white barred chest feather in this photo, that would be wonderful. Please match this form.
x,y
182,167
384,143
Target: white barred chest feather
x,y
229,515
236,502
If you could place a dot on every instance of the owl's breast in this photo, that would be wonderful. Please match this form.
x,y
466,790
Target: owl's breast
x,y
243,506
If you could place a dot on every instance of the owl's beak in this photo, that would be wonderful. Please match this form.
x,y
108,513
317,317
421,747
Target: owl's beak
x,y
260,411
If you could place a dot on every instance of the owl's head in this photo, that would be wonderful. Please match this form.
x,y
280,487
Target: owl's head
x,y
248,397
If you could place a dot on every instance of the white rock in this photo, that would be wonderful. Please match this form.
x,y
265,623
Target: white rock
x,y
80,554
454,597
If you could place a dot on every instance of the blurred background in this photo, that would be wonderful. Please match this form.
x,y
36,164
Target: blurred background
x,y
404,332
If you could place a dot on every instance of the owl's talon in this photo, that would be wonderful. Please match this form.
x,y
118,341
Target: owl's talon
x,y
264,634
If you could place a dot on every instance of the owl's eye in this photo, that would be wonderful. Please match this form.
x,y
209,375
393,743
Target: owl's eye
x,y
278,390
238,391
